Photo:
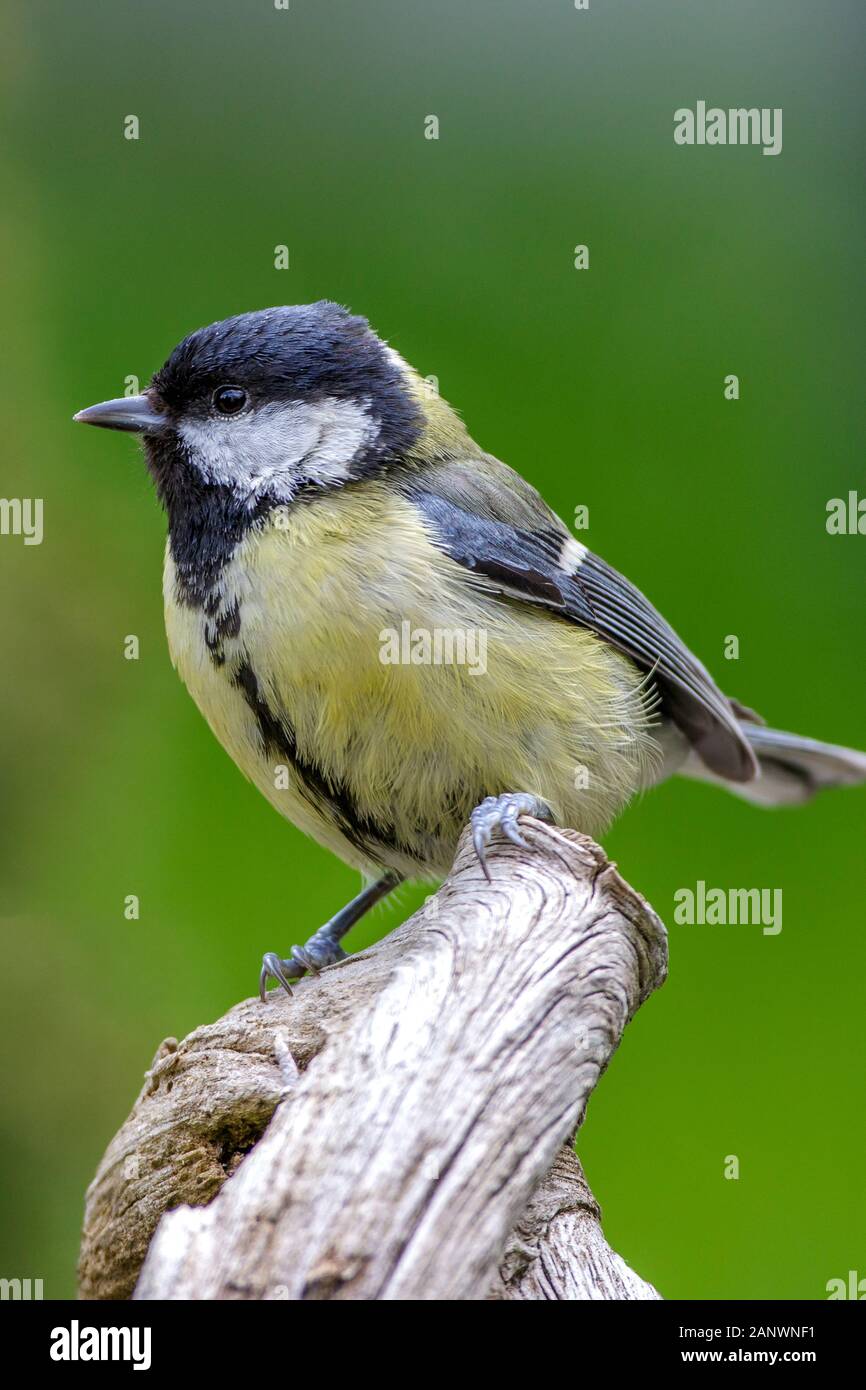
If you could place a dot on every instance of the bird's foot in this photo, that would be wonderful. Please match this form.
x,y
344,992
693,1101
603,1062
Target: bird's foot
x,y
501,813
323,947
321,950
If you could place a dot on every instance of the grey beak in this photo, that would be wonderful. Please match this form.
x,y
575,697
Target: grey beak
x,y
125,413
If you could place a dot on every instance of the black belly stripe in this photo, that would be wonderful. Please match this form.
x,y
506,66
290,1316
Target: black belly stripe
x,y
222,624
279,740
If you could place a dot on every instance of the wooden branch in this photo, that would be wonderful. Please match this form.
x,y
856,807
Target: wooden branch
x,y
396,1129
558,1250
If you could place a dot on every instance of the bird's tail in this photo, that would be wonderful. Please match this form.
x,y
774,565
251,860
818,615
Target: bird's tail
x,y
791,768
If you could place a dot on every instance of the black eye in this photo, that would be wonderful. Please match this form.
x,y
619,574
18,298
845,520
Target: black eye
x,y
228,400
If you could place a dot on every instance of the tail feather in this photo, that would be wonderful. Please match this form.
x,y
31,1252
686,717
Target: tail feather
x,y
791,768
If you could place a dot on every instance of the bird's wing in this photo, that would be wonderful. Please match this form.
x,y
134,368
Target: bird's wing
x,y
489,519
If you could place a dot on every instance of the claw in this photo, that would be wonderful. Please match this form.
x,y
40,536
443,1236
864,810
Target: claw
x,y
511,832
272,969
481,839
501,813
309,959
323,947
304,960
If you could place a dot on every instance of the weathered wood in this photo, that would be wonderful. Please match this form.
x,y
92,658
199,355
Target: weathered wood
x,y
558,1251
395,1130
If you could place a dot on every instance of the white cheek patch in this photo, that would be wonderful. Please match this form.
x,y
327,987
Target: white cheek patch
x,y
276,448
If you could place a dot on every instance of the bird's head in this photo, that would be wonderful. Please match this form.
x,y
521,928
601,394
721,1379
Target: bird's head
x,y
268,404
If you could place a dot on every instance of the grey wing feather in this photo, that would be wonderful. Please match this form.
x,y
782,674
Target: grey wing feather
x,y
492,521
689,694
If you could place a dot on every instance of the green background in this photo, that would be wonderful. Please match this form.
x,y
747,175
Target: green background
x,y
604,387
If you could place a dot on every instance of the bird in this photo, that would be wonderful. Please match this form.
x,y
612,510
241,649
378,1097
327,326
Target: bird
x,y
390,631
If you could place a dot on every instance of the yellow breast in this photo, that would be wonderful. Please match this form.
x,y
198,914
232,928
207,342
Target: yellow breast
x,y
397,691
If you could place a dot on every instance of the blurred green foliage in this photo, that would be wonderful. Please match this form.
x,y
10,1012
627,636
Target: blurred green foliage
x,y
605,387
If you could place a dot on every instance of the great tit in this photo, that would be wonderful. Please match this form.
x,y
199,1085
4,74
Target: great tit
x,y
335,541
